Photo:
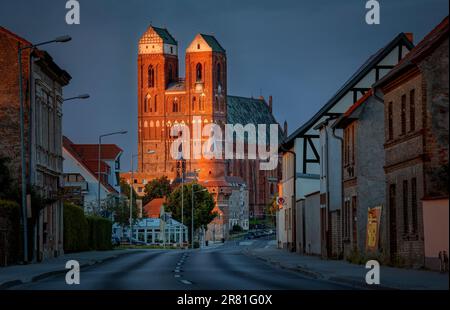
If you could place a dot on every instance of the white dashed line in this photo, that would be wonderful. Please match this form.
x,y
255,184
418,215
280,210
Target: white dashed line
x,y
185,281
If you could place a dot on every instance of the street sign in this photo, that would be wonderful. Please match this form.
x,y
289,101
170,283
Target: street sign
x,y
281,201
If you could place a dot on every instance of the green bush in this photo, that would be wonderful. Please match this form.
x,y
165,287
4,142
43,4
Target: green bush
x,y
10,239
100,232
75,229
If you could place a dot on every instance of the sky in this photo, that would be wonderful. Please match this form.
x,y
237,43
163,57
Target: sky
x,y
300,52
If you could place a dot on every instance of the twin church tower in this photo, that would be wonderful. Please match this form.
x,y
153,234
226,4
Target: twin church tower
x,y
165,99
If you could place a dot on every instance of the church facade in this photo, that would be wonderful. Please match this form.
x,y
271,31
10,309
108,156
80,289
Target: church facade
x,y
165,99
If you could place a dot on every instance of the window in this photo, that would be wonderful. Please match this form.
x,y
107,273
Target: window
x,y
412,110
170,79
346,219
198,72
219,74
151,77
414,203
403,115
405,207
147,103
390,122
156,104
201,103
193,103
198,46
175,105
353,145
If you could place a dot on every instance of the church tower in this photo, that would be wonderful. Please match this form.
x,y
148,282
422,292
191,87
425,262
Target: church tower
x,y
206,87
157,69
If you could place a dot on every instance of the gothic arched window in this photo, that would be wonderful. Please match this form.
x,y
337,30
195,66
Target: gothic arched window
x,y
193,103
156,104
170,73
175,105
147,103
219,74
198,72
151,76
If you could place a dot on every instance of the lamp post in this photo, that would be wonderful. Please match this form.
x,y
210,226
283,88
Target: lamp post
x,y
99,159
192,212
131,191
61,39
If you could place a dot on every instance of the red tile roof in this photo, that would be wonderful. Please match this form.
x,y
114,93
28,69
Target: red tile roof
x,y
153,208
428,44
90,151
89,164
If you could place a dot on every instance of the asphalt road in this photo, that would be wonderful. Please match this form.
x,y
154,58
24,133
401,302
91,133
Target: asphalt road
x,y
224,267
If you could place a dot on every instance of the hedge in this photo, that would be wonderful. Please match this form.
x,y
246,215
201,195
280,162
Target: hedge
x,y
10,237
100,232
83,233
75,229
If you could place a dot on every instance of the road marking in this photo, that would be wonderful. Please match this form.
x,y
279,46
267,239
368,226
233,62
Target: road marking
x,y
177,270
246,243
186,282
177,276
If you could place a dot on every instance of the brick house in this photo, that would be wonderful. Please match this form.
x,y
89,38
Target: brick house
x,y
43,82
363,179
416,151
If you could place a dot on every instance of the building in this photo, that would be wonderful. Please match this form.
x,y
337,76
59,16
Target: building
x,y
165,100
231,197
81,173
43,82
363,181
416,151
318,147
154,208
154,231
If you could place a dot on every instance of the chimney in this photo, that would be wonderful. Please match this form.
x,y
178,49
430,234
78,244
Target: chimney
x,y
410,36
285,129
270,104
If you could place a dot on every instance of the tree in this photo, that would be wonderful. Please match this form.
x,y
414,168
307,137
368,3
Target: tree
x,y
203,205
156,188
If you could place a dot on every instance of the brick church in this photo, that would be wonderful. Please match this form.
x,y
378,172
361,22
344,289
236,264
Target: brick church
x,y
166,99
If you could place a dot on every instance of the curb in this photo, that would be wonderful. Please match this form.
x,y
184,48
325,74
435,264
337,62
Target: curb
x,y
319,276
12,283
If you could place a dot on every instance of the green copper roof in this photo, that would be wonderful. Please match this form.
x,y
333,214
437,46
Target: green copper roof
x,y
165,35
213,43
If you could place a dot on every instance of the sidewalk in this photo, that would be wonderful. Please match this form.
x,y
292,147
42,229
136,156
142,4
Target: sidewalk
x,y
19,274
351,274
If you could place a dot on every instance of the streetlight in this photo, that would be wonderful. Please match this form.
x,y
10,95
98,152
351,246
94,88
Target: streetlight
x,y
83,96
131,191
192,211
99,159
60,39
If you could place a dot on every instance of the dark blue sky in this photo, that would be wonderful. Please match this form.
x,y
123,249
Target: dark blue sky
x,y
300,52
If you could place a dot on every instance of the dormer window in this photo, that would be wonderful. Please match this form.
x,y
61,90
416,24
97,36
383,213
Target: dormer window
x,y
198,46
171,49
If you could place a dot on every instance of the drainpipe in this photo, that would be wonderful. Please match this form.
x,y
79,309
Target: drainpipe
x,y
342,171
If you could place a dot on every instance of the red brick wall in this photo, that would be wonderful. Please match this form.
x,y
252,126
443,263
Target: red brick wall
x,y
9,99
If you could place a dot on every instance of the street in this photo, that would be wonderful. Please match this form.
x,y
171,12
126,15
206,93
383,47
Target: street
x,y
219,267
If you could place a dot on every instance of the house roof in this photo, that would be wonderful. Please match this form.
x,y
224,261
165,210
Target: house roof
x,y
90,151
45,60
89,165
164,34
348,115
428,44
213,43
243,110
368,65
153,208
